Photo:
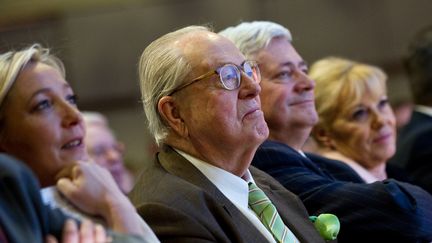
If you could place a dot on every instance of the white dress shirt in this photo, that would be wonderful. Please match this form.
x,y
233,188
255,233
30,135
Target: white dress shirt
x,y
423,109
235,188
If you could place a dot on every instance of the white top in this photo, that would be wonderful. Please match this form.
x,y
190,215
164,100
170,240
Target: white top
x,y
235,188
361,171
423,109
52,198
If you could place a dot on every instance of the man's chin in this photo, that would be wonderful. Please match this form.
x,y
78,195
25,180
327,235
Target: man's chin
x,y
262,131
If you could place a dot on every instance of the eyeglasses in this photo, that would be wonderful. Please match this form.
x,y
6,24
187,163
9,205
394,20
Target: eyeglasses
x,y
102,150
229,75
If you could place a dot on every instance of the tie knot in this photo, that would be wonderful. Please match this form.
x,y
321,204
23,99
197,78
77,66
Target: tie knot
x,y
252,186
258,201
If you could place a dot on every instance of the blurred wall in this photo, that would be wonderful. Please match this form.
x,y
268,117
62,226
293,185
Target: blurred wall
x,y
101,41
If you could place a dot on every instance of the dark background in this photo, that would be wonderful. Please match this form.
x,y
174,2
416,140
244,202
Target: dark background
x,y
100,41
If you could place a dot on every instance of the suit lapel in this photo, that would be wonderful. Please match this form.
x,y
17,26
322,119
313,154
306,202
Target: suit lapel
x,y
177,165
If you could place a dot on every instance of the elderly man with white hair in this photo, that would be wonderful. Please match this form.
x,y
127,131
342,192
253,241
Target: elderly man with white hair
x,y
201,98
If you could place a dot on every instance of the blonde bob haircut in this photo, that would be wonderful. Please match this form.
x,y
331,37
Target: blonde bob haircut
x,y
13,62
340,84
162,68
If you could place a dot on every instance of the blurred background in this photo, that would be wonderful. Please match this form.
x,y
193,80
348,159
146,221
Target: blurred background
x,y
100,42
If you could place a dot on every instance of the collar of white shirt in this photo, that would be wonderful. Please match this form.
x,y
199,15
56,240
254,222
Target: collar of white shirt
x,y
423,109
235,188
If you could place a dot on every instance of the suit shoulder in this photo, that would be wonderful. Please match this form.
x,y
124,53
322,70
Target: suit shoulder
x,y
273,154
11,167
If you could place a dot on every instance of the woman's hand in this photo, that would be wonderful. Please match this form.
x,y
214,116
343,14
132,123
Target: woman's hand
x,y
88,233
91,188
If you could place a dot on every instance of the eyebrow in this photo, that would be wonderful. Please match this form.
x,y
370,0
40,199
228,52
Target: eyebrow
x,y
45,90
233,63
289,63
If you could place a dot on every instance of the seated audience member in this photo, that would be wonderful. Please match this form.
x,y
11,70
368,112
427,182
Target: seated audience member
x,y
414,143
201,100
388,211
402,110
41,125
24,217
104,149
356,123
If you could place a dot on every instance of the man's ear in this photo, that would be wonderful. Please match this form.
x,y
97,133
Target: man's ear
x,y
322,136
169,111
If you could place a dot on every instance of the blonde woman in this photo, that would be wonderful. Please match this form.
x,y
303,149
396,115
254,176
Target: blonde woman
x,y
356,123
41,125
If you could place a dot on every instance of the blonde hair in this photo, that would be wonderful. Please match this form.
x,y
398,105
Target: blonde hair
x,y
162,68
13,62
340,83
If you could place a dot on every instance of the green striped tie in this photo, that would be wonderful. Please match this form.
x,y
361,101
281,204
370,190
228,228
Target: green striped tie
x,y
268,215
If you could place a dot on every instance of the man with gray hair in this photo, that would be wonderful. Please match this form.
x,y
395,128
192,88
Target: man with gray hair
x,y
201,100
104,148
387,211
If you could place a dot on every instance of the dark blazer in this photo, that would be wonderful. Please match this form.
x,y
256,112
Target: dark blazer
x,y
181,205
334,168
23,216
414,150
342,171
388,211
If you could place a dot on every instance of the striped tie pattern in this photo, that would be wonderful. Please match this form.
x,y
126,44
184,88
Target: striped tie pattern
x,y
268,215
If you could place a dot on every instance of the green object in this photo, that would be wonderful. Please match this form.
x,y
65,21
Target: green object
x,y
327,225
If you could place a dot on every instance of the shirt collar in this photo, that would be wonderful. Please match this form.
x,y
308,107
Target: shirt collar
x,y
423,109
235,188
302,153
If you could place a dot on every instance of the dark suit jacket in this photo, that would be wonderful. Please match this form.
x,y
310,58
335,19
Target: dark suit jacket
x,y
387,211
181,205
414,150
342,171
23,216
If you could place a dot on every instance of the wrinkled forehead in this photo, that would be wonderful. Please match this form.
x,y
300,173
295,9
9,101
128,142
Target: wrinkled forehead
x,y
208,50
